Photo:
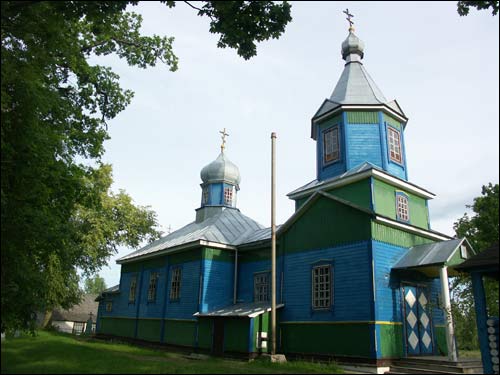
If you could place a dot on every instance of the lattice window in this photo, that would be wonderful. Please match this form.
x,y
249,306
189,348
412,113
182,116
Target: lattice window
x,y
133,286
109,306
331,145
228,196
322,287
204,195
153,282
175,284
402,210
261,287
394,145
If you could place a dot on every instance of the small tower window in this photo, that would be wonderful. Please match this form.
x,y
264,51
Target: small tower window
x,y
228,196
331,146
402,211
394,145
204,195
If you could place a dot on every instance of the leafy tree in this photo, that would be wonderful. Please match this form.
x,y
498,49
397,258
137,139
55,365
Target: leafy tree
x,y
94,285
482,231
58,213
463,7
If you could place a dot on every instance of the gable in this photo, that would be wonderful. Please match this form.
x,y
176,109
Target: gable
x,y
322,223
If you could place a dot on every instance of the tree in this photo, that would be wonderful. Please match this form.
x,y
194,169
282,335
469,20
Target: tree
x,y
58,213
94,285
482,231
463,7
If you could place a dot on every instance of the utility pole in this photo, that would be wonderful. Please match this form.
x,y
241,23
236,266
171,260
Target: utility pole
x,y
273,243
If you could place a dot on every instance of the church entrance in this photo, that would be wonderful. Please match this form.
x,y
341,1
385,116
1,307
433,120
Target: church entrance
x,y
418,331
218,338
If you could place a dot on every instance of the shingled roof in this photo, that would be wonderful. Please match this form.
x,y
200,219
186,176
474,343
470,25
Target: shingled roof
x,y
78,313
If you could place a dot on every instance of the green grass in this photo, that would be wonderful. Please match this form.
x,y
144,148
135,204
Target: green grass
x,y
55,353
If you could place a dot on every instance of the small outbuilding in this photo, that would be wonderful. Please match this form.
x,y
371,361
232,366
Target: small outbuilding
x,y
74,320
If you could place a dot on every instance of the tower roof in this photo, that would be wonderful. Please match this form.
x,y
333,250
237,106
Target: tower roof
x,y
221,170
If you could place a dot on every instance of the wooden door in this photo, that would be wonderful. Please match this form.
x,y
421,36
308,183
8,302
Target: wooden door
x,y
417,321
218,338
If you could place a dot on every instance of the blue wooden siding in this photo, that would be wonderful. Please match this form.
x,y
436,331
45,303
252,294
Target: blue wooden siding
x,y
215,194
218,281
187,304
246,272
351,284
150,309
363,144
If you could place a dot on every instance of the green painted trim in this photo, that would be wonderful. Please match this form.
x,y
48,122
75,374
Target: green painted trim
x,y
397,237
185,256
218,255
345,322
392,121
362,117
181,320
117,317
157,262
254,255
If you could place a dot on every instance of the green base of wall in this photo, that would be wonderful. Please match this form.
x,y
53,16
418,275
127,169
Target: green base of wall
x,y
391,340
326,339
440,339
180,332
118,327
149,330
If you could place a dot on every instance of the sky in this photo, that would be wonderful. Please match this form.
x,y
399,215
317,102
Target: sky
x,y
441,68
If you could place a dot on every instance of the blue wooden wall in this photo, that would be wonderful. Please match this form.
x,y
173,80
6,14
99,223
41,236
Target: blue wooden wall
x,y
218,284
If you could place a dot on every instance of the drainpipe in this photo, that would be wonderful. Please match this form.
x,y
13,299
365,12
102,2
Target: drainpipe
x,y
235,286
450,334
273,243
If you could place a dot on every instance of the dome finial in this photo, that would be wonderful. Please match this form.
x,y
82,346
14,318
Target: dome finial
x,y
223,136
349,16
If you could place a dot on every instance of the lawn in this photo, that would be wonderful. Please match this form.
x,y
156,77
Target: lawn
x,y
55,353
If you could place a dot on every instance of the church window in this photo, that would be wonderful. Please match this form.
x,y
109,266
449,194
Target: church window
x,y
394,145
322,287
331,146
402,211
153,282
463,251
228,196
109,306
204,197
133,286
175,284
261,287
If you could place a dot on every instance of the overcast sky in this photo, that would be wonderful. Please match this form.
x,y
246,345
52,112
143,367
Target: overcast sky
x,y
442,69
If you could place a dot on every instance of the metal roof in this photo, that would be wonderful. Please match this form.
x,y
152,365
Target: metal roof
x,y
249,310
429,254
485,259
221,169
228,227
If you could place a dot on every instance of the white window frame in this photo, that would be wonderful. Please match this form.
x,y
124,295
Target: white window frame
x,y
331,145
153,285
261,287
402,207
175,284
394,145
463,251
322,286
132,290
228,195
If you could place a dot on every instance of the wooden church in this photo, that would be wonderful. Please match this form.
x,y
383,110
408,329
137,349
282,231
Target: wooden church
x,y
360,273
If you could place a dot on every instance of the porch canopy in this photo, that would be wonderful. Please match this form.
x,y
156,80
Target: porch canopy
x,y
242,310
430,258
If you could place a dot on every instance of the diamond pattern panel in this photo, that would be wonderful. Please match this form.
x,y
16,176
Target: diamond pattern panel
x,y
422,300
412,319
426,339
413,340
424,319
410,298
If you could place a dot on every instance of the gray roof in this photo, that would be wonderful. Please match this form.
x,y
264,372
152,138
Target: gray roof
x,y
221,169
429,254
259,235
227,227
250,310
78,313
485,259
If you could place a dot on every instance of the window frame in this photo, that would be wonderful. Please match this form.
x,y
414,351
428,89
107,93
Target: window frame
x,y
333,129
314,299
391,131
205,195
257,287
109,306
175,284
402,197
132,296
153,286
229,189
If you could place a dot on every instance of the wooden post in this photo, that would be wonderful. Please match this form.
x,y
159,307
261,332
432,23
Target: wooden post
x,y
273,244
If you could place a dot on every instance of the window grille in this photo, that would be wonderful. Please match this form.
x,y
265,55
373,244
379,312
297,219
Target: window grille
x,y
331,146
402,207
322,287
261,287
175,284
109,306
153,281
228,196
394,145
133,285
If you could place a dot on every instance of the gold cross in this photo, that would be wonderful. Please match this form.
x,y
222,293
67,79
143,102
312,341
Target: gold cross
x,y
224,134
349,16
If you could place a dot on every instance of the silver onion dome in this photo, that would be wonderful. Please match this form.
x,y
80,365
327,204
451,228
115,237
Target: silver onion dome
x,y
221,170
352,46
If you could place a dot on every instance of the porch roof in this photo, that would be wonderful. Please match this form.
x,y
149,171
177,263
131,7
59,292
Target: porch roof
x,y
426,257
249,310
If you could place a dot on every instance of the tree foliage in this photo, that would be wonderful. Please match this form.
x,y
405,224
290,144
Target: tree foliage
x,y
58,213
94,285
463,7
482,231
